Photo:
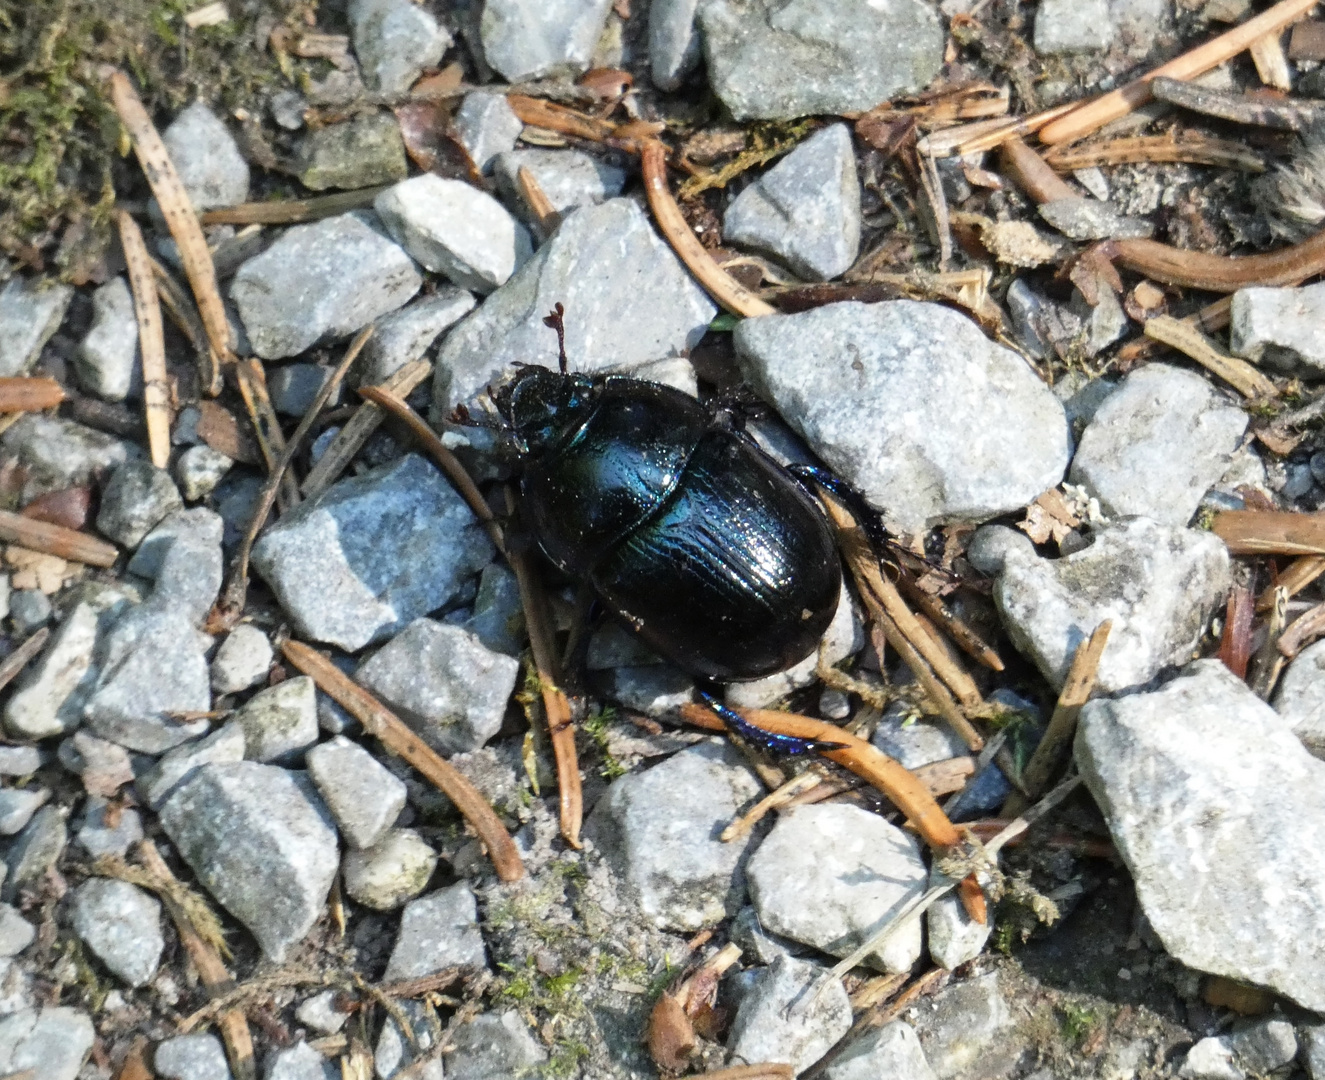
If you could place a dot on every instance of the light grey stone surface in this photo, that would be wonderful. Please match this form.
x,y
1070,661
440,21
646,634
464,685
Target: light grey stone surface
x,y
319,283
361,793
1254,1048
320,1013
134,501
498,616
768,1028
651,689
279,723
395,869
182,557
1280,328
443,682
455,230
243,660
569,178
524,41
1157,584
121,924
830,875
53,1041
58,454
104,767
1064,27
197,525
486,125
16,933
363,151
223,746
493,1046
261,845
394,41
673,41
628,301
34,851
20,760
29,609
294,387
892,1051
1300,697
191,1057
300,1062
212,169
107,356
1157,444
106,831
1210,1059
965,1030
199,469
805,211
372,553
1313,1050
394,1052
913,743
953,937
407,334
17,805
659,830
1079,218
769,59
437,931
30,312
1199,781
912,404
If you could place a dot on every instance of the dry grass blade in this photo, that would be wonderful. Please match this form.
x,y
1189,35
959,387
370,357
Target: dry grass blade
x,y
151,339
178,212
1300,573
1077,688
1210,318
252,381
231,604
184,314
292,211
56,540
22,656
396,736
1192,148
1239,374
966,638
367,418
1270,532
720,285
987,134
29,394
1235,640
1222,273
1095,114
797,785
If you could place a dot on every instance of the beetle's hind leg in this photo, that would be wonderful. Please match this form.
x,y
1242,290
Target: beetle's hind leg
x,y
789,745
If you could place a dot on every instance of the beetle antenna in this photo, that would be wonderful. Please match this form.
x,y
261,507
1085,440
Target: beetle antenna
x,y
554,320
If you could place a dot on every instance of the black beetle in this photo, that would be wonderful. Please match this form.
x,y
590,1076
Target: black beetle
x,y
707,548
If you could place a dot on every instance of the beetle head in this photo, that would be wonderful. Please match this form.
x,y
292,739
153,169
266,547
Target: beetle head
x,y
540,406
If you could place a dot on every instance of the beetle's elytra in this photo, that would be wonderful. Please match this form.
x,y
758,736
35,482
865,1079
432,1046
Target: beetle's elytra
x,y
684,528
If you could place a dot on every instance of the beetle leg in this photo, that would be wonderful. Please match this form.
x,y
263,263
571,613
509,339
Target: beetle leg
x,y
774,743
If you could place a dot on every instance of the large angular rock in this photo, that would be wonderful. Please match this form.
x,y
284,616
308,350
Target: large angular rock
x,y
395,869
300,1062
437,931
191,1057
365,150
260,843
223,746
486,125
1280,328
805,211
455,230
52,691
106,359
121,924
673,41
526,41
207,159
628,301
965,1031
445,683
1157,444
57,454
1158,584
831,875
892,1051
1216,809
912,404
135,500
775,59
394,41
372,553
30,312
279,723
1300,697
793,1014
1064,27
493,1046
243,660
52,1042
320,282
361,793
407,334
659,829
35,850
182,558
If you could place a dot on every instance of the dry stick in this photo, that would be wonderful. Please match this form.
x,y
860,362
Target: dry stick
x,y
1270,532
969,641
720,285
29,394
184,314
1238,108
1305,629
1184,337
1077,688
231,604
931,184
52,539
180,217
291,212
987,134
1197,150
367,418
211,968
1095,114
1267,54
545,214
1269,661
20,657
546,114
797,785
151,339
396,736
1222,273
1300,573
252,381
1030,172
1210,318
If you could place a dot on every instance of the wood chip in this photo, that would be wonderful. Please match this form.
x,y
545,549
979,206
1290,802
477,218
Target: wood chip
x,y
29,394
1267,54
1277,532
221,430
42,536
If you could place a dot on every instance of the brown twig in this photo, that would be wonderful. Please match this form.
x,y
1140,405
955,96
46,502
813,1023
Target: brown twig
x,y
252,381
397,737
29,394
1300,573
1191,149
770,1071
230,606
22,656
1235,641
535,198
559,118
1239,374
1095,114
797,785
56,540
1031,173
956,628
1210,318
1270,532
1305,629
366,419
292,211
1077,688
716,282
1222,273
177,210
151,340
